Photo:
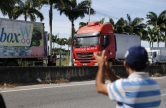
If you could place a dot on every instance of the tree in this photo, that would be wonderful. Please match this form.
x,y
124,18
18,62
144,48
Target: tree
x,y
51,3
11,13
119,26
73,12
158,22
6,6
54,39
134,26
62,42
28,9
81,24
102,20
111,21
150,38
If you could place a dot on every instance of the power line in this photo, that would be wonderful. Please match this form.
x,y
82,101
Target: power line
x,y
106,15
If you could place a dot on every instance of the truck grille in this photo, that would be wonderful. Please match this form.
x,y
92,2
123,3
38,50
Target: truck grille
x,y
84,55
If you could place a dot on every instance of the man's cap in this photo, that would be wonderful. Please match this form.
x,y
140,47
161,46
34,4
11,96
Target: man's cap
x,y
136,55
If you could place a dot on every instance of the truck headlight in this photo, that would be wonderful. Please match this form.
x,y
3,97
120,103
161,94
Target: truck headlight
x,y
75,64
95,64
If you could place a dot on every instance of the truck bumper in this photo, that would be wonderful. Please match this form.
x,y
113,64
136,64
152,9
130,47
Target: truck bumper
x,y
91,63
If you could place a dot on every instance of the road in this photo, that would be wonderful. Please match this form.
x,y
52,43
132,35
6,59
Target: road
x,y
68,95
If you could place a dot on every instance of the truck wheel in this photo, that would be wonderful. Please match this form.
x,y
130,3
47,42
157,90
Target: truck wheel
x,y
12,64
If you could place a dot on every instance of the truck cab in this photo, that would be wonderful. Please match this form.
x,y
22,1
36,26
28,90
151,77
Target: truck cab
x,y
93,38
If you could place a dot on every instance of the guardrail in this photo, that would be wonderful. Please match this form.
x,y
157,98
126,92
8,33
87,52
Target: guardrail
x,y
30,74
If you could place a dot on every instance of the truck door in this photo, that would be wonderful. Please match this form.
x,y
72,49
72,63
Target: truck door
x,y
105,41
106,45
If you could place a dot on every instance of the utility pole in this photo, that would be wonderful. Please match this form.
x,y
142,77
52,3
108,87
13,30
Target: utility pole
x,y
89,13
89,9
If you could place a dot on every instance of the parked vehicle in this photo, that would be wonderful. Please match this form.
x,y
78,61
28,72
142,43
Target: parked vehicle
x,y
22,41
97,37
156,55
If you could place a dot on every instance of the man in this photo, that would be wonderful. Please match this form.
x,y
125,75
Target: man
x,y
138,90
54,58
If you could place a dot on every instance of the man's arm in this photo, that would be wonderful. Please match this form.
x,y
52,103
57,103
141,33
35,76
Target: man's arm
x,y
101,87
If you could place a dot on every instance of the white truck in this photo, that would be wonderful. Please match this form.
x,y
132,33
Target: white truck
x,y
22,41
156,55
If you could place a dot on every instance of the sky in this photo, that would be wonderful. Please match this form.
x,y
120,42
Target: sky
x,y
114,9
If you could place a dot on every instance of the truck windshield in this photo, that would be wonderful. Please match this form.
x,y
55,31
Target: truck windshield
x,y
88,41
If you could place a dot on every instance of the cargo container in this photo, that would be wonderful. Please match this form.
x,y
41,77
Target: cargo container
x,y
22,41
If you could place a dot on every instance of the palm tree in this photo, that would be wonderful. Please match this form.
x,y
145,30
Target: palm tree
x,y
62,42
102,20
134,26
51,3
119,26
54,39
28,9
150,38
158,34
6,6
73,12
81,24
158,22
11,13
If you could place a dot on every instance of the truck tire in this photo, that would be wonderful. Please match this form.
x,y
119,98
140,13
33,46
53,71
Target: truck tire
x,y
11,64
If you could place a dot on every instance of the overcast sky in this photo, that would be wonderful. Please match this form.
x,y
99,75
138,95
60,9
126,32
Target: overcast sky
x,y
105,9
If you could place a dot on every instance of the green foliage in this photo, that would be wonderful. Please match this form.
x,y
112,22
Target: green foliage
x,y
28,9
25,63
164,69
102,20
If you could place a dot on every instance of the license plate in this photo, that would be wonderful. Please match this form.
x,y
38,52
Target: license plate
x,y
85,64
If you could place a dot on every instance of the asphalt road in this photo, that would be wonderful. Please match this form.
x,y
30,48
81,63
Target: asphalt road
x,y
68,95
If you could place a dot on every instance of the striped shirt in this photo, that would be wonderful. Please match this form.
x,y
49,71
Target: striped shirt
x,y
137,91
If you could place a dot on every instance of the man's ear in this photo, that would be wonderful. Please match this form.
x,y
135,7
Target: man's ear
x,y
126,64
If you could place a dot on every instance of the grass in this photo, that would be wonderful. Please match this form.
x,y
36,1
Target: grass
x,y
56,81
63,62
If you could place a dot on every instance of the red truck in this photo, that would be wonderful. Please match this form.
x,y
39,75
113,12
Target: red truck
x,y
97,37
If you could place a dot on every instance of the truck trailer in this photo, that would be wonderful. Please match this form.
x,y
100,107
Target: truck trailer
x,y
97,37
156,55
22,41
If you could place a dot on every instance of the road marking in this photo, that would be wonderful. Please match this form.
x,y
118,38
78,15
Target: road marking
x,y
158,77
63,85
54,86
163,94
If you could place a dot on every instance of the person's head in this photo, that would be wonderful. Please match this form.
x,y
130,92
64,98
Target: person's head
x,y
136,58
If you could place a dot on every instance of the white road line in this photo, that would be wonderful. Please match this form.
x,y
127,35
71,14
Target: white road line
x,y
163,94
158,77
5,91
62,85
